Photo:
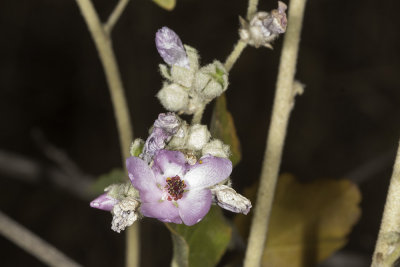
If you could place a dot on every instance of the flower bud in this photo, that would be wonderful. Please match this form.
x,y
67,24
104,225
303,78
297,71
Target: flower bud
x,y
216,148
264,27
136,147
169,122
198,136
125,214
178,141
170,48
182,75
104,202
228,199
173,97
211,81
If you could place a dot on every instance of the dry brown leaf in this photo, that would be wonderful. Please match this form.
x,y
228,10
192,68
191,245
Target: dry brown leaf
x,y
309,221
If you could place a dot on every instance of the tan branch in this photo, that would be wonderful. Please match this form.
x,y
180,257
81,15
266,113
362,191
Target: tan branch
x,y
103,44
283,104
33,244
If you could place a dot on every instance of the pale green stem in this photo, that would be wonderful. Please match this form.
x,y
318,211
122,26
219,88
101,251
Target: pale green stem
x,y
33,244
388,243
103,44
252,8
198,115
232,58
283,104
113,18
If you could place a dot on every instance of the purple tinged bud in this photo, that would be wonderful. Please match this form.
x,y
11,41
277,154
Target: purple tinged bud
x,y
170,48
168,122
104,202
164,128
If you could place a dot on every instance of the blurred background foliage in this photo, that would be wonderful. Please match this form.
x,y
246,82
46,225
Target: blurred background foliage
x,y
345,125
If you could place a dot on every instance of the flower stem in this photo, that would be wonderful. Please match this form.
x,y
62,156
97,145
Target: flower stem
x,y
33,244
252,8
198,115
283,104
234,55
387,249
103,42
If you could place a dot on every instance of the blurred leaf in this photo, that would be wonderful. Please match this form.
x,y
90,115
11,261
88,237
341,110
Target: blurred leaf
x,y
114,176
308,221
166,4
202,244
223,128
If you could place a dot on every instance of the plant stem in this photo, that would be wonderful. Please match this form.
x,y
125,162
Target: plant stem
x,y
198,115
388,244
252,8
102,40
115,14
33,244
283,104
234,55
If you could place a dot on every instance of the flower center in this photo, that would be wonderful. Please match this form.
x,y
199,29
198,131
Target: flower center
x,y
175,187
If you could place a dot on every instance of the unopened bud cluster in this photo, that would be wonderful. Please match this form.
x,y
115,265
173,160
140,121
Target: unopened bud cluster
x,y
187,87
264,27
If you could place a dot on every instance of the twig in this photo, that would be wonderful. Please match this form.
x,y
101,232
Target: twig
x,y
252,8
33,244
197,116
283,104
115,14
387,247
103,44
31,171
234,55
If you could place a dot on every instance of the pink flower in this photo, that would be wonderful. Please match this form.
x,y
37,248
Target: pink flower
x,y
174,191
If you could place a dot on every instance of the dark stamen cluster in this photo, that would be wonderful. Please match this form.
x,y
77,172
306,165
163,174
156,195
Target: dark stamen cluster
x,y
175,187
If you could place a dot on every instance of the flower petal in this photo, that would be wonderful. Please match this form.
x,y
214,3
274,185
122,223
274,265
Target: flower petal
x,y
208,172
143,179
104,202
164,211
194,206
169,164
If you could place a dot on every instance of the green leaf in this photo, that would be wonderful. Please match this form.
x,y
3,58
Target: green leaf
x,y
202,244
114,176
166,4
223,128
308,221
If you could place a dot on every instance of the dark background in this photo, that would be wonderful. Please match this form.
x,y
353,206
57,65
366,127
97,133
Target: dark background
x,y
53,93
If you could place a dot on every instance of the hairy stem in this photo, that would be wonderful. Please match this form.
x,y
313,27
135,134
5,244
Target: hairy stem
x,y
103,44
33,244
387,247
283,104
252,8
234,55
113,18
198,115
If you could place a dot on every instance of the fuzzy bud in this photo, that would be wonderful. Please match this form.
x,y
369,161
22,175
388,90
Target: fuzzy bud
x,y
173,97
169,122
211,81
136,147
264,27
124,214
182,75
170,48
228,199
178,141
216,148
198,137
